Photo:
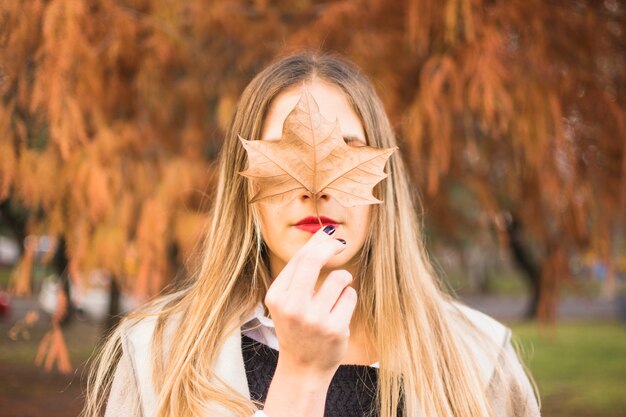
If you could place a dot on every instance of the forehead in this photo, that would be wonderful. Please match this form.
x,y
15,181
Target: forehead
x,y
332,102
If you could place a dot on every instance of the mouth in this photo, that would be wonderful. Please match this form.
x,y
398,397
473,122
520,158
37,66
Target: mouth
x,y
311,224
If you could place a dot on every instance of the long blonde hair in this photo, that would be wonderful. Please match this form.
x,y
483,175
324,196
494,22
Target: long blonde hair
x,y
424,366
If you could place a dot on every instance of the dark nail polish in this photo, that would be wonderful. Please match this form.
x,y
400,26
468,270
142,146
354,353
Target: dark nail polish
x,y
342,241
329,230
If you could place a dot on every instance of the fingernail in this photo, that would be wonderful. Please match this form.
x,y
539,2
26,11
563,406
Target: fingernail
x,y
342,241
329,230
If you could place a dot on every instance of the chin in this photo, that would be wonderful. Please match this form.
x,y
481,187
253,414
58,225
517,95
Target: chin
x,y
341,261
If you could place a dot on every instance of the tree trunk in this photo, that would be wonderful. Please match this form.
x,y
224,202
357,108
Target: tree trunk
x,y
60,263
113,317
530,270
15,221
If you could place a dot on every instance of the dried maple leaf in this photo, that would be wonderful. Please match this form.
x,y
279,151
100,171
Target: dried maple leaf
x,y
313,155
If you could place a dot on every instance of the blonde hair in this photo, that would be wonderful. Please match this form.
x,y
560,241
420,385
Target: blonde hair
x,y
425,367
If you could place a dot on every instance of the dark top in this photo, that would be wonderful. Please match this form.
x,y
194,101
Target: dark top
x,y
351,393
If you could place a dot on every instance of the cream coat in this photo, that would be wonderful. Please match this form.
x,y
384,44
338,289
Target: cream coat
x,y
132,393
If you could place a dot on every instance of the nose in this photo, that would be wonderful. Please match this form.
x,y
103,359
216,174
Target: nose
x,y
306,195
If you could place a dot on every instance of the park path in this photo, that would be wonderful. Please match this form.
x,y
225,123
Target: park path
x,y
501,307
510,308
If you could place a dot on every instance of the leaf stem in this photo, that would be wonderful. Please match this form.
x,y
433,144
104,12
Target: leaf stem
x,y
317,213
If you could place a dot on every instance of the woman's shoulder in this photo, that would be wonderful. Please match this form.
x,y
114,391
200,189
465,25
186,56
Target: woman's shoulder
x,y
136,334
463,315
509,388
139,326
485,338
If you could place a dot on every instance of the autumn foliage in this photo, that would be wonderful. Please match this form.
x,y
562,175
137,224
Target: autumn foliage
x,y
312,155
112,113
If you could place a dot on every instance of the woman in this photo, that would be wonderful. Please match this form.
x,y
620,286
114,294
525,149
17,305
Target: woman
x,y
357,314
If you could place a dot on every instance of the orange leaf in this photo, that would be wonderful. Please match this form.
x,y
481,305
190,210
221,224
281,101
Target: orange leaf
x,y
53,349
312,155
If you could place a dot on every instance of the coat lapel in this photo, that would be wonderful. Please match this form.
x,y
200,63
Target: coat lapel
x,y
230,369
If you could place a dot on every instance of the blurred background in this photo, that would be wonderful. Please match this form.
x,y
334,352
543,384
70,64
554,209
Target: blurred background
x,y
510,114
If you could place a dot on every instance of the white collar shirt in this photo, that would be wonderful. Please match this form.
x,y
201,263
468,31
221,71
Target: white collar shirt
x,y
260,328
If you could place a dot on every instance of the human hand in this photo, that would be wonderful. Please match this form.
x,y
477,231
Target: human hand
x,y
313,328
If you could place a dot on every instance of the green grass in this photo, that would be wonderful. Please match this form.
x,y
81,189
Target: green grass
x,y
5,274
511,282
580,369
503,283
39,272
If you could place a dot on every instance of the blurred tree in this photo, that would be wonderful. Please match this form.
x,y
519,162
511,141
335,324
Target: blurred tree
x,y
522,104
112,113
104,133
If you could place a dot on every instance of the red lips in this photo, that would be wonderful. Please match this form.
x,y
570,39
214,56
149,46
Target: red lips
x,y
313,220
311,224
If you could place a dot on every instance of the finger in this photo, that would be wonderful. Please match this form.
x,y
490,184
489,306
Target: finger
x,y
327,296
283,280
341,314
309,266
323,234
